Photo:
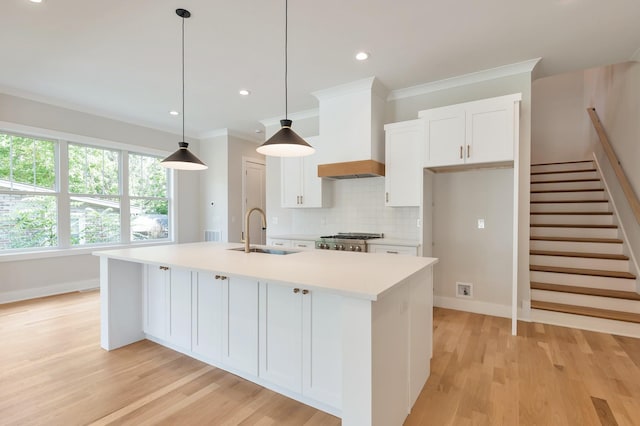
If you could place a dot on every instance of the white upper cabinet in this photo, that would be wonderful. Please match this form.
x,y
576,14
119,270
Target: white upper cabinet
x,y
484,131
404,144
300,184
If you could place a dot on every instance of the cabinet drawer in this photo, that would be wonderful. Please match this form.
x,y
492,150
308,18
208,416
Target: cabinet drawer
x,y
279,243
403,250
303,244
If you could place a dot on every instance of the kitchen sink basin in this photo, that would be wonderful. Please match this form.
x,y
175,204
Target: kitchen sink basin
x,y
265,250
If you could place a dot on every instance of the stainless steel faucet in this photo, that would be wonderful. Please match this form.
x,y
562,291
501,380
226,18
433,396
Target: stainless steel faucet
x,y
246,226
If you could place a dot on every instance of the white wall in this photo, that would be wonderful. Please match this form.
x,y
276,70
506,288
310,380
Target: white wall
x,y
558,131
36,277
472,255
614,91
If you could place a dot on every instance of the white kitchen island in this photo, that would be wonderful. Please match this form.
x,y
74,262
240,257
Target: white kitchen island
x,y
347,333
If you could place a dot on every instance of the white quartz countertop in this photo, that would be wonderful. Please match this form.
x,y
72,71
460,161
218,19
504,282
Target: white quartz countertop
x,y
360,275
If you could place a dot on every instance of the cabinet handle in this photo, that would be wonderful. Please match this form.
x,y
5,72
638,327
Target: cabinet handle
x,y
301,245
164,268
305,291
461,151
221,277
386,197
392,252
278,244
296,290
468,150
302,199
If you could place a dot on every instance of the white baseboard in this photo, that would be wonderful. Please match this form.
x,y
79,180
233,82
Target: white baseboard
x,y
50,290
475,306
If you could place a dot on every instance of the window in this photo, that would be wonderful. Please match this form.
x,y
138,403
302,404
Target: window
x,y
149,202
59,194
28,193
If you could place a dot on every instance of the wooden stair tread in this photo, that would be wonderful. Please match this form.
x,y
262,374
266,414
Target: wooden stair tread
x,y
568,201
555,191
579,254
576,213
563,162
579,239
586,311
567,181
563,171
617,294
582,271
571,225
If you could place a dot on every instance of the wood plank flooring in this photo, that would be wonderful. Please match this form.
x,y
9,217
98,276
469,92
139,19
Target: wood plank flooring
x,y
53,372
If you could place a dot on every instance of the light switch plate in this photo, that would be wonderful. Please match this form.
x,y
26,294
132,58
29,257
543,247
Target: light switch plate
x,y
480,223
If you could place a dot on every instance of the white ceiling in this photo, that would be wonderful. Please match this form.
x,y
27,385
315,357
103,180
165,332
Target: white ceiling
x,y
121,58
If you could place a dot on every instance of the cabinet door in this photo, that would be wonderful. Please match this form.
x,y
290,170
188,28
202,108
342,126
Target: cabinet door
x,y
207,316
291,181
311,183
179,332
490,131
404,144
281,335
240,324
155,301
322,347
445,136
388,249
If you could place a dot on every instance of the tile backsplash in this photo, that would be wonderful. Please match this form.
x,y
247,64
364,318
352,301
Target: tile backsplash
x,y
356,205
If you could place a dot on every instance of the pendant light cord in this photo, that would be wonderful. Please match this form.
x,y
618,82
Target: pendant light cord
x,y
183,79
286,94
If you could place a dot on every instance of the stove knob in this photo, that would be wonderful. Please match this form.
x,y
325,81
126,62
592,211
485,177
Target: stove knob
x,y
358,248
342,247
339,247
324,246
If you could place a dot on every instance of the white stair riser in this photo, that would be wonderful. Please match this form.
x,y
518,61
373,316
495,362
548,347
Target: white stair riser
x,y
556,167
580,262
575,232
565,185
622,305
590,281
562,196
576,246
601,325
570,207
564,176
582,219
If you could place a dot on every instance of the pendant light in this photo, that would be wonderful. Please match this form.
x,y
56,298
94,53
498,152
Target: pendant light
x,y
183,159
285,143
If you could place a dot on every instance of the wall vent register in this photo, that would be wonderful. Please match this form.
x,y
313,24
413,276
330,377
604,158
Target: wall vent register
x,y
346,241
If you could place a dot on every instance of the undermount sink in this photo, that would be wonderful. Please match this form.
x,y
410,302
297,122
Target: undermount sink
x,y
265,250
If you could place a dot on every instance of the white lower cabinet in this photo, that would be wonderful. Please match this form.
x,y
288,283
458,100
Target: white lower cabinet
x,y
301,341
240,323
167,304
207,316
390,249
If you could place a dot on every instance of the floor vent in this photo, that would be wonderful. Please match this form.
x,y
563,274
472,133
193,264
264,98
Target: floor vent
x,y
211,235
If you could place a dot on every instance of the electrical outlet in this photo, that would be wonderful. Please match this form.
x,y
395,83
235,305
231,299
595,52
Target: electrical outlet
x,y
464,290
418,223
480,223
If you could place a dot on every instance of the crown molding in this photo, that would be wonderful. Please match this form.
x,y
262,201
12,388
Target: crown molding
x,y
249,137
300,115
636,56
371,84
463,80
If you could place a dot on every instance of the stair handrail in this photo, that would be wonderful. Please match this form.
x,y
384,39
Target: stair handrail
x,y
615,163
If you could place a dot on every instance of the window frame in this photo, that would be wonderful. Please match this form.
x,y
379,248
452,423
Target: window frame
x,y
62,141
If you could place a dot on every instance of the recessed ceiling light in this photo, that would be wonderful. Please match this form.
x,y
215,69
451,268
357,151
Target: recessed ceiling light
x,y
174,113
35,1
244,92
362,56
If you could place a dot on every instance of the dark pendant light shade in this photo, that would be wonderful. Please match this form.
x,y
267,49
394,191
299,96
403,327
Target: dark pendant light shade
x,y
183,159
285,143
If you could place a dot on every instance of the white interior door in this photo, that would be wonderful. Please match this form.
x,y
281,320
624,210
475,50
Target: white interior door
x,y
253,195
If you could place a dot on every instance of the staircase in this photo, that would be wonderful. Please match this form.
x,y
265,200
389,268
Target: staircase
x,y
580,276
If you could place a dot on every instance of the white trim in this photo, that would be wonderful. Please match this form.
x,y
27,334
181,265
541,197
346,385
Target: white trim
x,y
49,134
516,215
50,290
475,306
214,134
463,80
369,84
635,56
300,115
617,214
90,110
229,133
600,325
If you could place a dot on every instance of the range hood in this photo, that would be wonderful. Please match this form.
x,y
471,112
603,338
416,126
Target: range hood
x,y
351,118
351,169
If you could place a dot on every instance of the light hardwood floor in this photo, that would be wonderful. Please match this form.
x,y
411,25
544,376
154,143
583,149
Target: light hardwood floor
x,y
53,372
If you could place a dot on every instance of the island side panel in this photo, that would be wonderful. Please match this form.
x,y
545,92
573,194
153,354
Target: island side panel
x,y
420,331
357,370
120,303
